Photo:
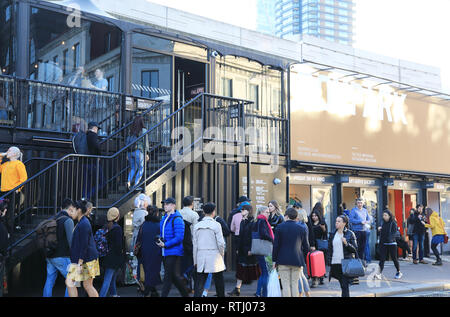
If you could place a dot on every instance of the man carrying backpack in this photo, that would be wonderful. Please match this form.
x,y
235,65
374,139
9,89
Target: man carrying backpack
x,y
190,218
59,258
171,243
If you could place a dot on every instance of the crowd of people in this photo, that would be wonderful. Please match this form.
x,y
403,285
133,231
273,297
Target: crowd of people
x,y
187,248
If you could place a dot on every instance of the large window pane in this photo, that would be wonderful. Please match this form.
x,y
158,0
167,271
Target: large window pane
x,y
7,38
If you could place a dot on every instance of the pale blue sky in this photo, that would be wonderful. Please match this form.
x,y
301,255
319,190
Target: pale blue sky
x,y
413,30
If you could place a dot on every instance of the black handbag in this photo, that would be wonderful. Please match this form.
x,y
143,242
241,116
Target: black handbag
x,y
352,267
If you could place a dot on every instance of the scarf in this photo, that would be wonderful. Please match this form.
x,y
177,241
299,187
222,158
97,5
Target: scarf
x,y
268,225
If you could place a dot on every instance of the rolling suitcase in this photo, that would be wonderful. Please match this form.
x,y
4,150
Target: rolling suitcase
x,y
315,263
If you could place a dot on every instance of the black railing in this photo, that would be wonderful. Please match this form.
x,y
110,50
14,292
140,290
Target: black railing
x,y
104,179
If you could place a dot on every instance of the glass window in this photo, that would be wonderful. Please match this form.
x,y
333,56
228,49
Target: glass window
x,y
151,75
343,19
343,12
254,95
227,87
90,51
111,83
7,38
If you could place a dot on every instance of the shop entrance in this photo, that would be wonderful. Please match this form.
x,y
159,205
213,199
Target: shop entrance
x,y
400,203
310,195
190,80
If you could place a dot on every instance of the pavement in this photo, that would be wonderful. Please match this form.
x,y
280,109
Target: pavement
x,y
417,278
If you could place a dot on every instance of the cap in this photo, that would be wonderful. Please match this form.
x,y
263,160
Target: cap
x,y
93,124
169,200
113,214
242,199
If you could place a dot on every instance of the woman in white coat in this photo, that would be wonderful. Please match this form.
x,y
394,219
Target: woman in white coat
x,y
209,250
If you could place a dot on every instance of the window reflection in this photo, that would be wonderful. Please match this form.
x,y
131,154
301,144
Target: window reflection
x,y
7,40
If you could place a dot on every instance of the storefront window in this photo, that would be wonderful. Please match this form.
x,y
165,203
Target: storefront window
x,y
8,38
445,214
83,54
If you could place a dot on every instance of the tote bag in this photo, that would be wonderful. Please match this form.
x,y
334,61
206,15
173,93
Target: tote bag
x,y
352,267
259,246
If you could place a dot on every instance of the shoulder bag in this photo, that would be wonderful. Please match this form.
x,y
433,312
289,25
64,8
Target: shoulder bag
x,y
352,267
259,246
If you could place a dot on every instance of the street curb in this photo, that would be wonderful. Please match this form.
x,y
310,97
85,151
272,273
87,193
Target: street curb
x,y
414,288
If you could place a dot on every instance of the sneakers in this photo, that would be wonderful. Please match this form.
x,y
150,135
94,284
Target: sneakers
x,y
235,292
398,275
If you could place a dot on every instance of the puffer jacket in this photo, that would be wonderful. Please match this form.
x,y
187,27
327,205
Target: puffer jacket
x,y
172,231
436,224
349,249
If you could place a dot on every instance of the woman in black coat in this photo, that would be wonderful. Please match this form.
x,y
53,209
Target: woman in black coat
x,y
248,269
388,244
341,245
114,259
319,230
150,252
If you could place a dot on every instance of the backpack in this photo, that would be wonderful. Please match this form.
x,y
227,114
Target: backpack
x,y
187,239
79,143
47,236
101,243
131,139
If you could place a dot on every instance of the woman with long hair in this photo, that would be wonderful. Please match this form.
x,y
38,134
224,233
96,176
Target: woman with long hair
x,y
136,151
83,254
248,269
319,231
388,244
275,216
264,231
341,245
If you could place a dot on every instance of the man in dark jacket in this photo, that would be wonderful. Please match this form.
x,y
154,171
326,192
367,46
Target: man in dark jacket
x,y
289,245
59,261
93,149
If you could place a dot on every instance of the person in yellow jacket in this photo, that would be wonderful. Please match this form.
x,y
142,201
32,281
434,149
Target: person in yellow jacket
x,y
13,174
438,232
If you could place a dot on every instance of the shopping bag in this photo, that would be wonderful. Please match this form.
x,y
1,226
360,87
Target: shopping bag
x,y
273,286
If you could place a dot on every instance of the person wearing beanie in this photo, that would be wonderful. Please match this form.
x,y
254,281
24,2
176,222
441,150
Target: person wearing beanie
x,y
114,259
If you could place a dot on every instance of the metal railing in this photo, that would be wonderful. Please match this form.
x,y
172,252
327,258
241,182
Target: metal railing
x,y
104,179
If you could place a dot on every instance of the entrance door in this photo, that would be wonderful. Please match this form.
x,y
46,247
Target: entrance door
x,y
322,194
395,204
190,80
410,203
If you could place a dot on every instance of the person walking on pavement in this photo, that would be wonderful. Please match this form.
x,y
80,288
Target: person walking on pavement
x,y
248,269
114,259
360,220
59,261
84,265
438,231
410,230
234,224
419,235
342,244
150,255
388,245
190,218
290,243
303,284
263,231
275,217
209,251
319,232
171,243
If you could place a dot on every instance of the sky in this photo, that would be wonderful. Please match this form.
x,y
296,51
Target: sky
x,y
412,30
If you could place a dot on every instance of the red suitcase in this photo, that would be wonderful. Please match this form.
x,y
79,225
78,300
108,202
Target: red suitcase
x,y
315,263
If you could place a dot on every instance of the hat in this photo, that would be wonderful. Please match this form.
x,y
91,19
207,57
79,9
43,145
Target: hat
x,y
169,200
298,204
242,199
113,214
93,124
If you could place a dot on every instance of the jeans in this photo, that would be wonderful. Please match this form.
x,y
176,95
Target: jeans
x,y
171,276
264,278
109,283
208,282
303,284
361,241
418,240
218,282
367,250
54,266
136,159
